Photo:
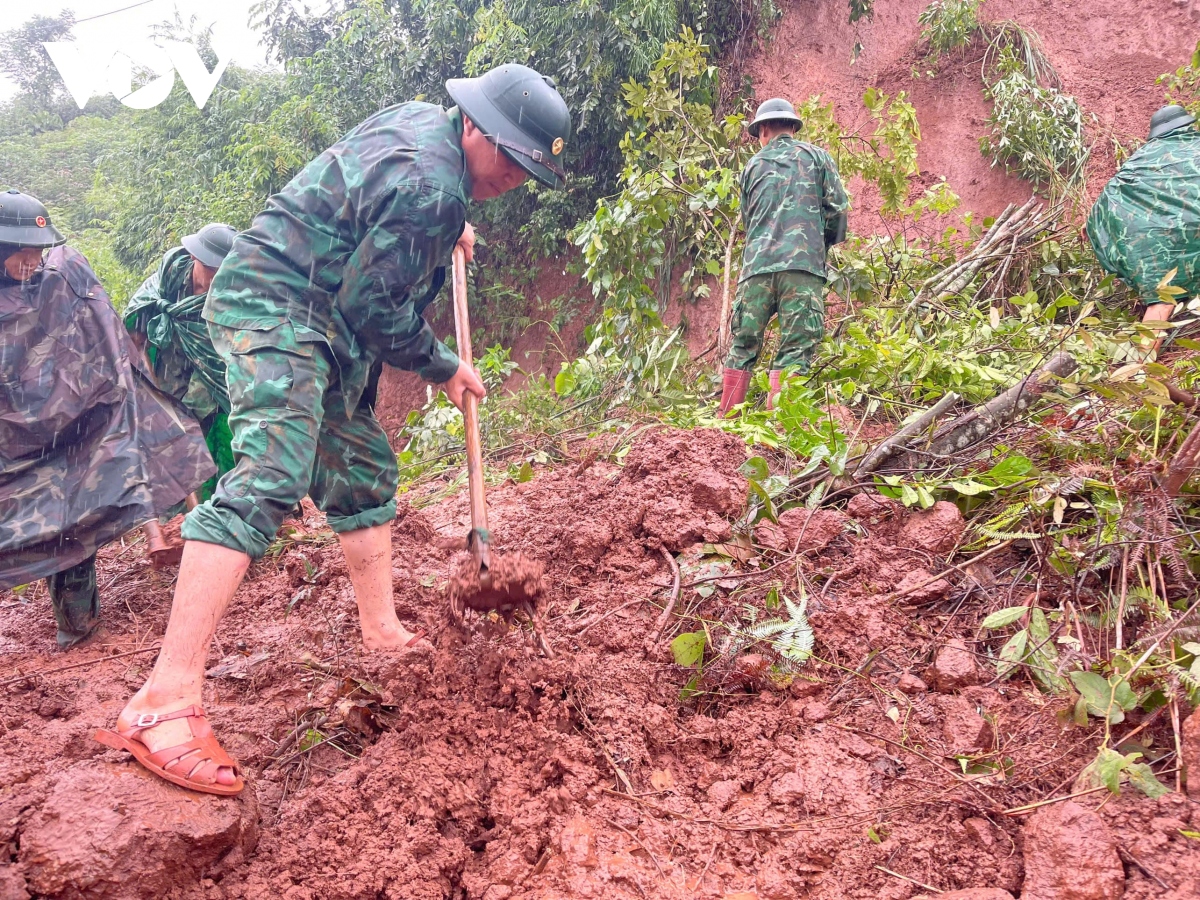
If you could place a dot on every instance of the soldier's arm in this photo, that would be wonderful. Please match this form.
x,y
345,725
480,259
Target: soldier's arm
x,y
412,232
834,203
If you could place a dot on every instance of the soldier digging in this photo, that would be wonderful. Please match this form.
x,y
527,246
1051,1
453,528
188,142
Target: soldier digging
x,y
322,289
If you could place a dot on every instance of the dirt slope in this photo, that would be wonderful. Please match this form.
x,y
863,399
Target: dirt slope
x,y
1108,53
483,771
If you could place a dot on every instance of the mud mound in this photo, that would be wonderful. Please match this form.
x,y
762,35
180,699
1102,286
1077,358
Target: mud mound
x,y
480,770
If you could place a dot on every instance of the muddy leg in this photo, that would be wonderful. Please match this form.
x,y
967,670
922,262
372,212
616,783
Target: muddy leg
x,y
209,574
369,559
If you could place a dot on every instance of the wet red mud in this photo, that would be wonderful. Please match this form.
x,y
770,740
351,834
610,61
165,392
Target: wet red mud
x,y
481,769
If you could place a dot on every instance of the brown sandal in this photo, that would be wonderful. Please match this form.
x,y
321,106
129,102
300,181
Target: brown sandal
x,y
192,765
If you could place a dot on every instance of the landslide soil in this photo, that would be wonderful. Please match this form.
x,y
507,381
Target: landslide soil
x,y
487,771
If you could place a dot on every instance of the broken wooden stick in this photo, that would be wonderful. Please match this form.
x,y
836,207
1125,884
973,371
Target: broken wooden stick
x,y
1002,409
902,438
1183,464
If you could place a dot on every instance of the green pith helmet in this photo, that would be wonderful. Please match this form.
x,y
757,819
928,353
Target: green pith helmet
x,y
211,244
1168,119
776,109
25,222
520,112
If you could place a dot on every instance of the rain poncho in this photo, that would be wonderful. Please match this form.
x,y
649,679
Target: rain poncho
x,y
181,352
185,363
88,448
1146,221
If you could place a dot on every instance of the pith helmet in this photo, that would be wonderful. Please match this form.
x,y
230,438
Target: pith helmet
x,y
522,113
1168,119
774,110
25,222
211,244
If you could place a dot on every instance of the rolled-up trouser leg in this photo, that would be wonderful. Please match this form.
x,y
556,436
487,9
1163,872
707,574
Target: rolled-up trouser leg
x,y
277,388
801,299
752,310
76,602
355,477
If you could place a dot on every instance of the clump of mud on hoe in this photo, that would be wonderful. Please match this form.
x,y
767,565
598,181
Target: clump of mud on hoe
x,y
511,583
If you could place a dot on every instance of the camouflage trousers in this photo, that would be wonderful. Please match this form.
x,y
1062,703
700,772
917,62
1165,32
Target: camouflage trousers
x,y
798,298
292,436
76,602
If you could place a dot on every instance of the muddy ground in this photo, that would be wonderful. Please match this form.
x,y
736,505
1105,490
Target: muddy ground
x,y
482,770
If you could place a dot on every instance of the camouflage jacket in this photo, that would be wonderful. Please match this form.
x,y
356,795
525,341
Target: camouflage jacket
x,y
1146,221
349,250
88,448
168,315
794,207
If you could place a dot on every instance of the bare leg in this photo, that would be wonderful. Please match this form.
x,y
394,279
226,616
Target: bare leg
x,y
209,574
369,558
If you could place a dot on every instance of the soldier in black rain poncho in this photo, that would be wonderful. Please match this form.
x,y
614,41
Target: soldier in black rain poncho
x,y
89,449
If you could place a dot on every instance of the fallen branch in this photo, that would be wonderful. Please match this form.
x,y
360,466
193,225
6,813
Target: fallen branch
x,y
670,607
1012,228
901,439
928,887
1002,409
82,665
1183,464
961,567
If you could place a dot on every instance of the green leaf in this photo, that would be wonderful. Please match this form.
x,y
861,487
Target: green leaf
x,y
525,473
691,689
755,467
1105,697
688,648
1012,653
1142,777
1105,770
1006,616
564,382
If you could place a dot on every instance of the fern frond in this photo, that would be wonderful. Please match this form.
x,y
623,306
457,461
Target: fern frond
x,y
791,638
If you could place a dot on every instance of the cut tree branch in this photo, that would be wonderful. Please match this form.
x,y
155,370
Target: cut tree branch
x,y
902,438
1002,409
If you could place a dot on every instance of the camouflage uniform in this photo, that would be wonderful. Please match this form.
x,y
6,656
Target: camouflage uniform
x,y
88,448
794,208
186,366
326,285
76,602
1146,221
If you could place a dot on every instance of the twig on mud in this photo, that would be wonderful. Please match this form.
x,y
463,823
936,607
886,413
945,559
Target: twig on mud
x,y
711,855
93,662
961,567
665,617
596,621
293,736
1133,860
620,773
928,887
642,844
992,805
1030,807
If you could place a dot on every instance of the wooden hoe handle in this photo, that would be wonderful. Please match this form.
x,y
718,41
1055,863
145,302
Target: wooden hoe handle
x,y
462,332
